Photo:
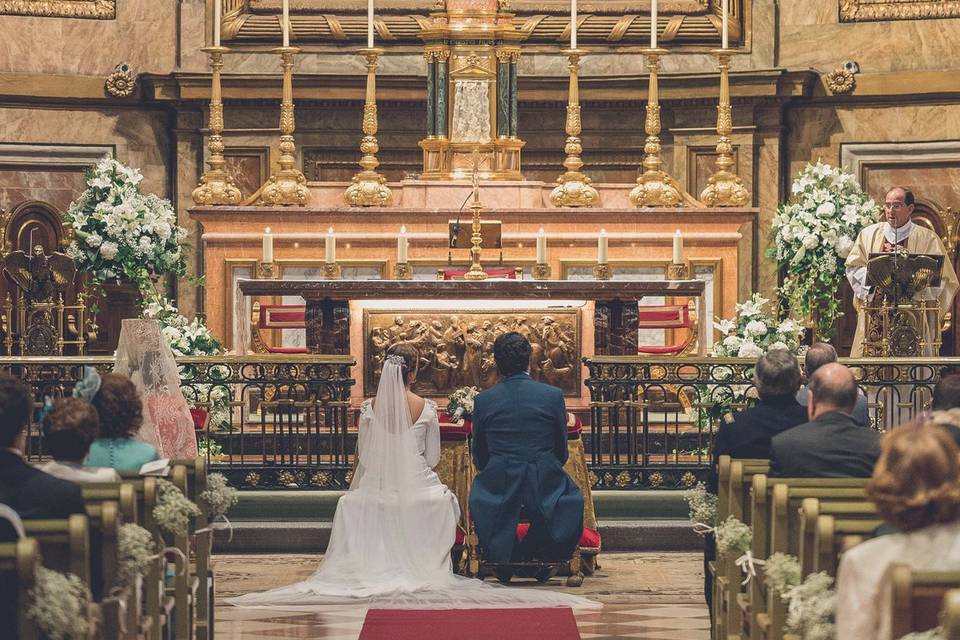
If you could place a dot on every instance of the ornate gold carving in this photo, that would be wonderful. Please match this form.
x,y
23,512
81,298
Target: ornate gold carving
x,y
841,82
573,187
602,271
331,271
267,271
872,10
369,188
541,271
678,272
288,186
655,188
98,9
456,349
121,82
950,218
402,271
216,185
725,188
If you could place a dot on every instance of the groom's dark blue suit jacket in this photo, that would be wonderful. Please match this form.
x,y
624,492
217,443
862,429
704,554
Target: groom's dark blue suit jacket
x,y
519,448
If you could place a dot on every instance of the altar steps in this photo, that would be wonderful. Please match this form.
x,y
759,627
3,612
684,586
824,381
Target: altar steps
x,y
299,522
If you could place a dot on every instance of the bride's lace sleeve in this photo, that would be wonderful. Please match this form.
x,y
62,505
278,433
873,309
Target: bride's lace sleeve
x,y
431,451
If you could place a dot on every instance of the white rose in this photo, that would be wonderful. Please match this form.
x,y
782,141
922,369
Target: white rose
x,y
749,350
162,229
756,328
830,238
779,345
732,343
109,250
145,244
809,241
826,209
844,246
93,240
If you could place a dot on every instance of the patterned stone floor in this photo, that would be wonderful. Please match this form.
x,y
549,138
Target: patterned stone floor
x,y
657,596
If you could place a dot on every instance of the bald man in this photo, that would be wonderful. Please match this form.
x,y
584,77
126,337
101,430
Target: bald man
x,y
897,230
831,444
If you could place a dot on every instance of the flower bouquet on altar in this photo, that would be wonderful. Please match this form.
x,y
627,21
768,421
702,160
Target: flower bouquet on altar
x,y
754,331
460,403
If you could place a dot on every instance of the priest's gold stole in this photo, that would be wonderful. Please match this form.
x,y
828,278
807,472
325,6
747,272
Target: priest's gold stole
x,y
456,348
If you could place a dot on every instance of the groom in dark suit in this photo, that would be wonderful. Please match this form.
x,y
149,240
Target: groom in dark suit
x,y
519,448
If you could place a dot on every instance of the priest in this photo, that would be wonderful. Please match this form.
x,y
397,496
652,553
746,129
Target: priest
x,y
895,231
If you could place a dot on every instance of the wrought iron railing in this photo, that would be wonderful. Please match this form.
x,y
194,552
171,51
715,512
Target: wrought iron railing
x,y
284,421
653,419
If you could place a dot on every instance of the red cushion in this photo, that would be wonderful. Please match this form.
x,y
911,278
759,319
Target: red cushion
x,y
459,537
667,349
280,316
664,317
453,430
287,350
588,538
574,425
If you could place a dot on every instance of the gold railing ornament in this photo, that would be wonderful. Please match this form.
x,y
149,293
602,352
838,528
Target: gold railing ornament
x,y
216,185
476,271
573,187
725,188
288,186
655,188
369,188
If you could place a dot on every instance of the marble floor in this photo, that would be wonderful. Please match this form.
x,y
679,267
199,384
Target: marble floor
x,y
657,596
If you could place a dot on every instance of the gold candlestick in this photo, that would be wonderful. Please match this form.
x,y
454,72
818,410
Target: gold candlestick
x,y
725,188
655,188
331,271
476,272
573,187
288,186
267,271
678,271
602,271
369,188
402,271
216,186
541,271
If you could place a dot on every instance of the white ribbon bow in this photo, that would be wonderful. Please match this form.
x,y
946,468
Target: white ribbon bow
x,y
748,565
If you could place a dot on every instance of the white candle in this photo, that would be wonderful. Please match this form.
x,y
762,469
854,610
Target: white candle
x,y
653,24
602,247
573,24
369,24
677,247
725,21
216,22
541,247
402,246
331,247
285,26
267,256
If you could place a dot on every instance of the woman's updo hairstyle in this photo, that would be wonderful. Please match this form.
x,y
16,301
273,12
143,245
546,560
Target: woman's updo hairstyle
x,y
916,482
410,357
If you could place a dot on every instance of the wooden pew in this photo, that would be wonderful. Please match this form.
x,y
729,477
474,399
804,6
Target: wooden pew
x,y
733,491
196,483
18,566
775,510
951,614
122,493
917,597
810,510
105,523
834,535
186,584
64,544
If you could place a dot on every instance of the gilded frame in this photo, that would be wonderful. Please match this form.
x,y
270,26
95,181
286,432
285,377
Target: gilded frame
x,y
876,10
93,9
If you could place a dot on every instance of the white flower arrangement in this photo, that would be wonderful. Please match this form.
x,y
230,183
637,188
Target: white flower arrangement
x,y
209,449
136,547
122,232
218,496
702,505
173,509
781,572
59,605
936,633
754,331
185,337
460,403
811,608
813,235
733,535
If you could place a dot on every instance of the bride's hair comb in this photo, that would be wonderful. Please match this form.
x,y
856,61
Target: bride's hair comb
x,y
396,359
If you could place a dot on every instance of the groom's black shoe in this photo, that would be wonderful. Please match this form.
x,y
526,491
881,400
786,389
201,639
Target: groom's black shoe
x,y
504,573
546,573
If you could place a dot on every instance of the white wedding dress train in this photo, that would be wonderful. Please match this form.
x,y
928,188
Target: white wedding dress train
x,y
393,530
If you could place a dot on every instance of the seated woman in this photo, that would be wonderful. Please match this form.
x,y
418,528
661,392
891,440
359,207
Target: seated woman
x,y
68,432
117,402
916,487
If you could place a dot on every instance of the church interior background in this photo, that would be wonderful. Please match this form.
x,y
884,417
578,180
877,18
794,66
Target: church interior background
x,y
868,85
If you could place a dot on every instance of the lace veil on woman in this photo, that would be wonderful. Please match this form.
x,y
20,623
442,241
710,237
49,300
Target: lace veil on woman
x,y
392,531
144,356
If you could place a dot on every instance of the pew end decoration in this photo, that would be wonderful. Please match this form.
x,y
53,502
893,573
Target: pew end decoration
x,y
733,536
59,604
812,237
781,572
219,496
137,549
703,508
811,608
173,510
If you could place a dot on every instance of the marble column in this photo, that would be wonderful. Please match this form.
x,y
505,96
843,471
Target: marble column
x,y
514,120
431,94
504,97
442,84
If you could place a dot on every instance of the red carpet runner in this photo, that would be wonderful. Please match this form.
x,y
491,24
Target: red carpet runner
x,y
470,624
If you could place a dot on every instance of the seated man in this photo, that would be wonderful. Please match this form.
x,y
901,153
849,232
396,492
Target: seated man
x,y
819,354
28,491
831,444
747,434
519,448
946,393
68,432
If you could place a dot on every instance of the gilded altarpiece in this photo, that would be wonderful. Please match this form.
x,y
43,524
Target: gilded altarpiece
x,y
456,349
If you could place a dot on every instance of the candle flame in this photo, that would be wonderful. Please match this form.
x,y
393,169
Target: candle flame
x,y
403,229
267,230
330,231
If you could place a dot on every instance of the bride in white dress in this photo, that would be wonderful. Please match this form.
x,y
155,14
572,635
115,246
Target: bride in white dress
x,y
393,530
